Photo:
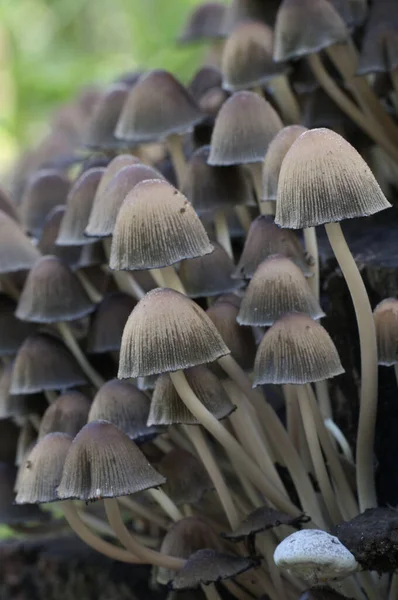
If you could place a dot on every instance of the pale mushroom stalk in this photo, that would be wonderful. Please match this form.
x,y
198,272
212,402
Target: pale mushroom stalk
x,y
124,281
79,355
143,511
170,278
94,295
369,371
210,591
267,207
222,231
285,99
174,143
166,503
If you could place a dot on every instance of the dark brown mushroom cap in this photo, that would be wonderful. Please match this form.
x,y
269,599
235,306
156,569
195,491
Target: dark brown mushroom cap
x,y
41,472
101,126
296,350
167,408
156,107
278,287
45,189
210,188
110,198
11,513
265,239
203,23
293,37
67,414
13,331
16,250
124,405
47,244
247,59
276,152
52,293
78,209
156,226
44,363
244,128
323,179
186,478
262,519
166,332
206,78
386,321
209,566
8,207
104,462
209,275
108,321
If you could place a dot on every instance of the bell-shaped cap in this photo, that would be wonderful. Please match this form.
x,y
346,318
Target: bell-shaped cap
x,y
186,478
52,293
315,555
78,209
108,321
156,226
156,107
167,332
100,134
7,205
47,244
296,350
45,189
209,566
244,10
17,252
208,275
203,23
44,363
67,414
263,519
293,37
210,188
41,471
103,462
110,197
278,287
247,60
244,128
276,152
10,513
323,179
167,408
14,405
183,539
265,239
379,52
386,322
240,340
124,405
13,331
205,79
112,168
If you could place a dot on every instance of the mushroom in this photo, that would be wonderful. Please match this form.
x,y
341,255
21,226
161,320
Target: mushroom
x,y
386,320
99,133
67,414
107,323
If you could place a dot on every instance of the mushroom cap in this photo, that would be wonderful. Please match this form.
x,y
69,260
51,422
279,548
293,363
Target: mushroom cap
x,y
16,250
156,107
156,226
243,10
278,287
296,350
103,462
11,513
186,478
203,23
386,321
108,322
205,79
47,244
315,555
8,206
262,519
52,293
244,128
379,52
323,179
293,37
100,133
41,472
67,414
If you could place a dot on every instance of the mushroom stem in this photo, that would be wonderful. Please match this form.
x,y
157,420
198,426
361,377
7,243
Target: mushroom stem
x,y
94,295
143,511
311,247
268,206
340,438
171,279
210,423
285,99
124,281
83,532
9,287
244,217
79,355
328,493
50,395
368,346
199,441
236,590
210,591
146,555
222,231
166,503
174,143
292,416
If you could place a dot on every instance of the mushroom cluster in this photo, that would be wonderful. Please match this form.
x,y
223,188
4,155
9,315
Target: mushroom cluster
x,y
166,377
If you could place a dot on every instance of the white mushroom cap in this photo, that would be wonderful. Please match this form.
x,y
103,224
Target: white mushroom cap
x,y
315,556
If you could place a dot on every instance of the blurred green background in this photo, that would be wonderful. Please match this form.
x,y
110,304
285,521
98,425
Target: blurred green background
x,y
50,48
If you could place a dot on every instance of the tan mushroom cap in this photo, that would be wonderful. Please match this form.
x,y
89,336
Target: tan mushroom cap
x,y
100,134
166,332
323,179
243,10
296,350
155,227
203,23
67,414
386,322
16,250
